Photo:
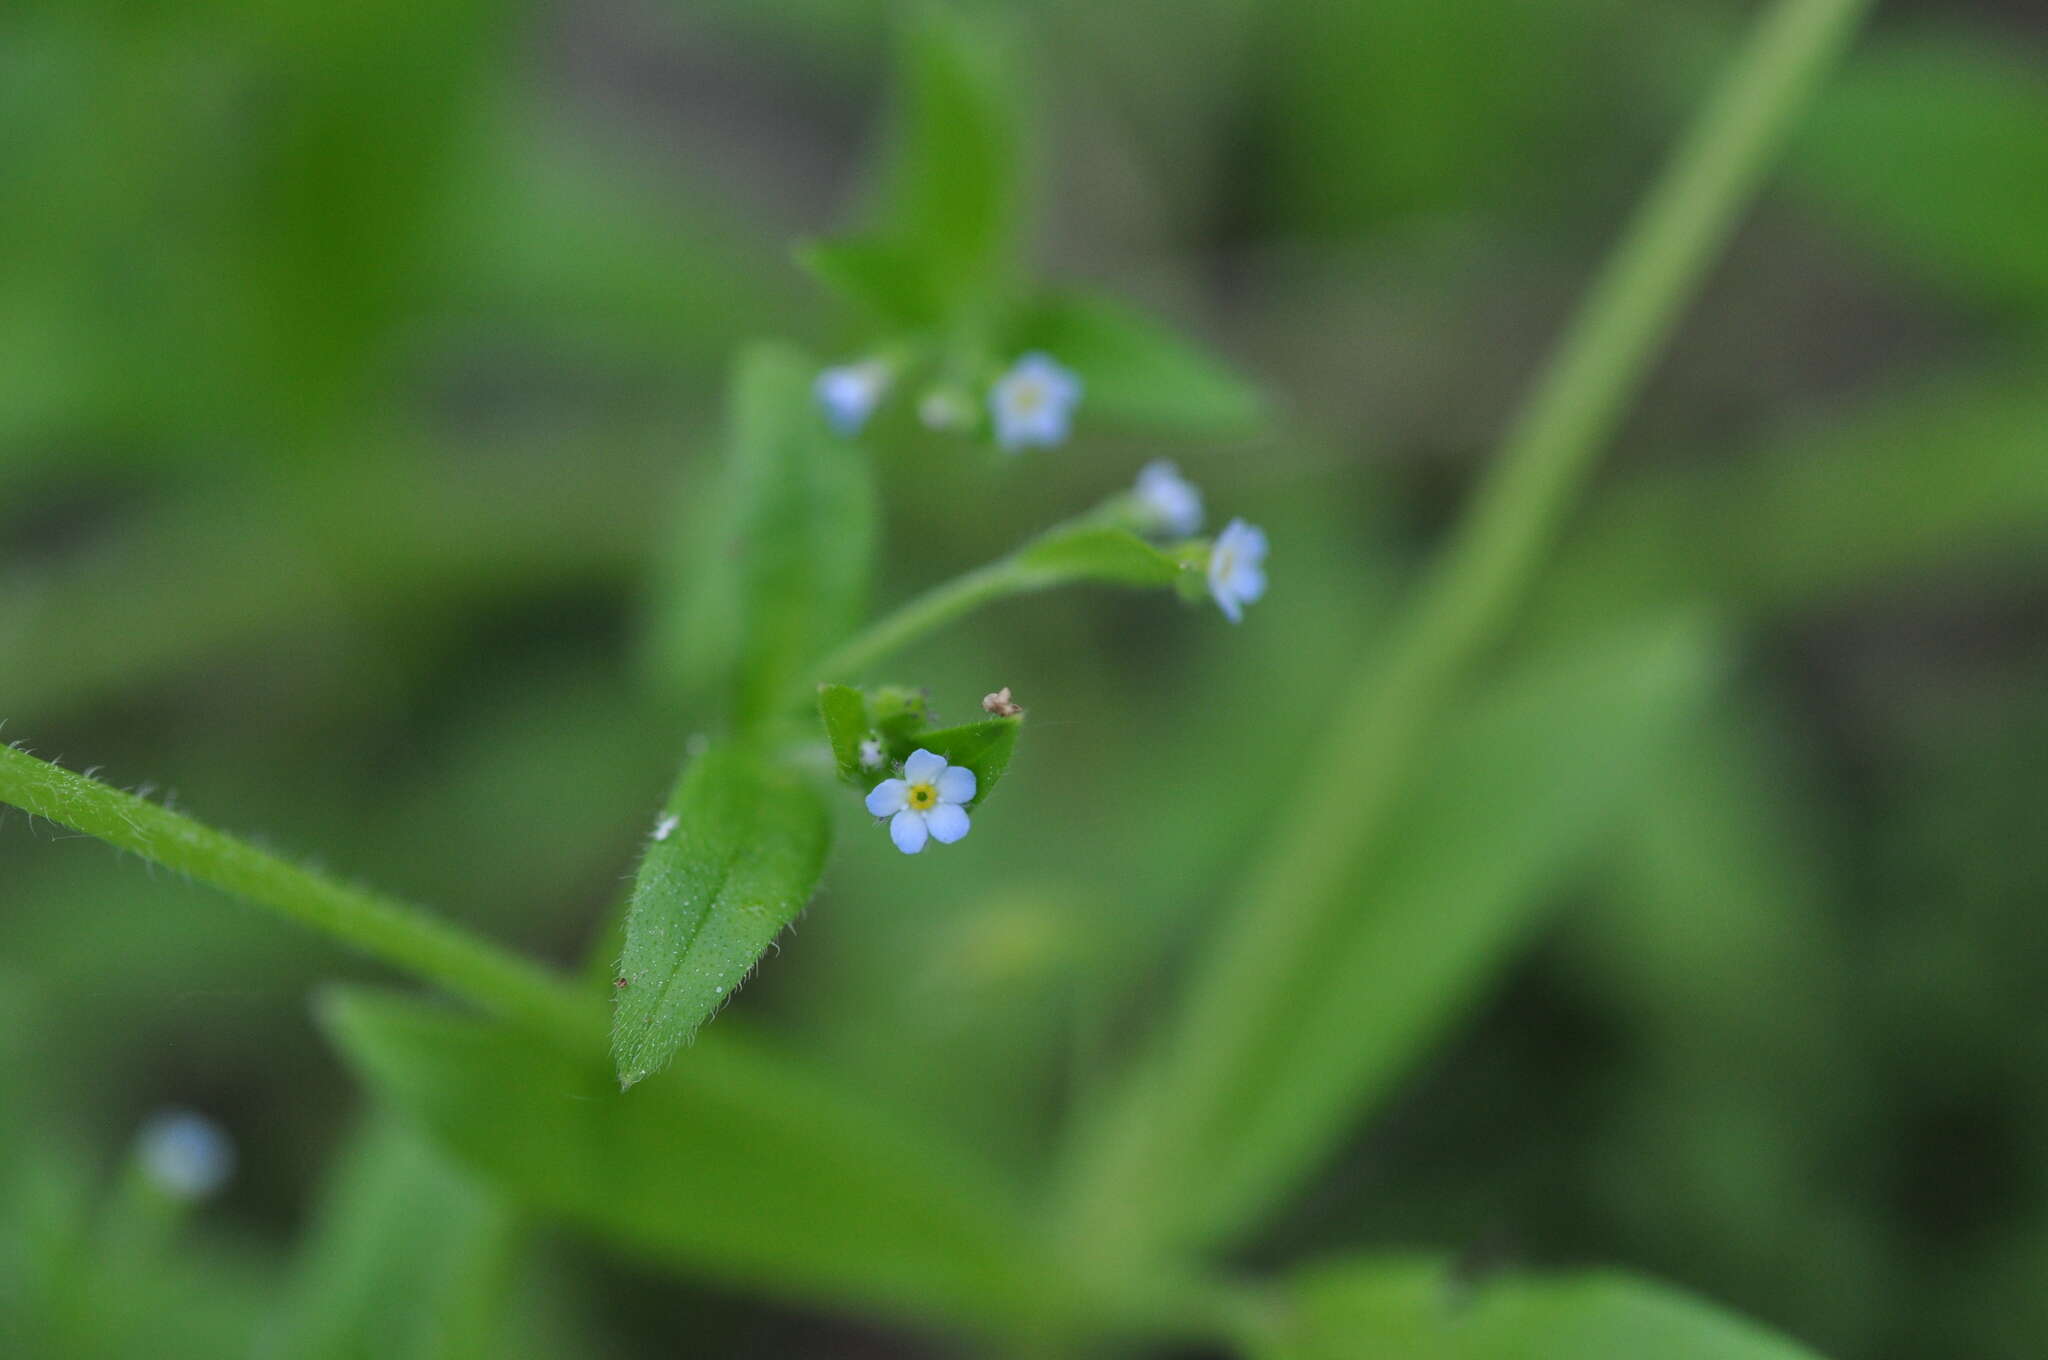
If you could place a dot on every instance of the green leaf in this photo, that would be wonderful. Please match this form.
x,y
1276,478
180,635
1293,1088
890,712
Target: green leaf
x,y
740,1166
953,199
1419,1310
779,555
885,279
845,714
1090,552
983,747
403,1258
1934,147
897,711
720,881
1138,372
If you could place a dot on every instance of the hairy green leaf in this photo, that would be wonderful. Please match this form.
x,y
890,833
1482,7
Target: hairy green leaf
x,y
741,1166
1421,1310
954,192
983,747
845,714
1139,372
888,280
735,857
1090,552
780,553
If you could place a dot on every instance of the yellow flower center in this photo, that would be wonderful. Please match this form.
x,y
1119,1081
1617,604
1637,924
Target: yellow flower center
x,y
922,797
1027,397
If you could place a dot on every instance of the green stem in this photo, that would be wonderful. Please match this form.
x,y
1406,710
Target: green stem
x,y
1294,894
400,935
1038,565
926,614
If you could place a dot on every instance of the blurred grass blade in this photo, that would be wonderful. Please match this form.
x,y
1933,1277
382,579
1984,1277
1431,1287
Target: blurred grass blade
x,y
404,1259
1510,799
1949,469
1711,939
776,561
1420,1310
1139,372
1934,148
739,1166
741,845
1253,971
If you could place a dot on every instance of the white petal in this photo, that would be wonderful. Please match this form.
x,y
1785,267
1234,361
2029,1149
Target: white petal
x,y
908,830
886,799
947,823
956,785
923,767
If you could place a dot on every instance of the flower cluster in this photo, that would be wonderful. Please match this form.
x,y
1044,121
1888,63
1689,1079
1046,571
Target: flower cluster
x,y
1168,505
1030,405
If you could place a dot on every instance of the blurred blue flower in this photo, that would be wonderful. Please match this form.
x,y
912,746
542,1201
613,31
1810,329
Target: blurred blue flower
x,y
185,1155
850,393
1033,403
1237,568
1169,503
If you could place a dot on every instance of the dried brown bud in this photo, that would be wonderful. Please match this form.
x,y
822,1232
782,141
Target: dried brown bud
x,y
1000,705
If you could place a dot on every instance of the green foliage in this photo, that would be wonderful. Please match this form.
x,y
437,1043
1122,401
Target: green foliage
x,y
779,554
849,717
1946,469
881,277
738,853
844,711
1421,1310
1423,820
1507,801
983,747
739,1165
391,930
1932,148
1092,552
943,239
407,1258
1138,372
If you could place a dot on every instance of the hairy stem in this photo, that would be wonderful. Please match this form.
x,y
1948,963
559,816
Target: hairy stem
x,y
1035,566
927,613
403,936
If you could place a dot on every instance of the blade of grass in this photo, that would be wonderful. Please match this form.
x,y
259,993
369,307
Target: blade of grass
x,y
398,934
1292,897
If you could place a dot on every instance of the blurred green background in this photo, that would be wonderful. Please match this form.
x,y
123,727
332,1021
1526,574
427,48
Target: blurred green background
x,y
357,362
